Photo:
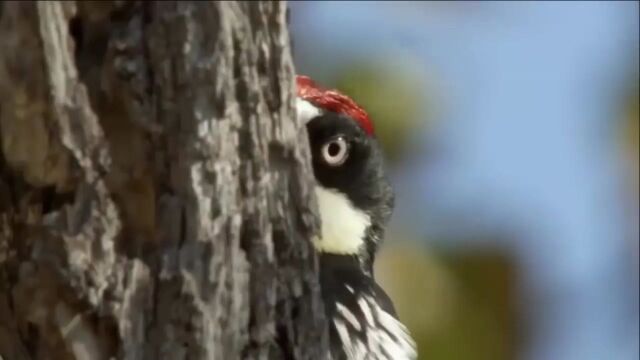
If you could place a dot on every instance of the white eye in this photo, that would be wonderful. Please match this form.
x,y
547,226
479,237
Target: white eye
x,y
335,151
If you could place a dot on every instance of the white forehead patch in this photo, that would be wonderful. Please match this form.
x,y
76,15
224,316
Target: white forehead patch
x,y
343,226
306,111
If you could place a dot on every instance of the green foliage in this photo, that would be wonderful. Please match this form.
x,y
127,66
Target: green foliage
x,y
457,306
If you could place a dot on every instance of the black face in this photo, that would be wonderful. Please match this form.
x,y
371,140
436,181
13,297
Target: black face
x,y
348,160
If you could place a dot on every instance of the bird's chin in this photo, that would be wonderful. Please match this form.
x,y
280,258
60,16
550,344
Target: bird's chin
x,y
343,226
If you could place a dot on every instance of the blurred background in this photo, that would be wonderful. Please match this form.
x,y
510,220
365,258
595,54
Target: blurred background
x,y
511,130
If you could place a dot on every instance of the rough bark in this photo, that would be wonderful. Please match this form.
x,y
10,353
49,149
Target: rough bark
x,y
155,188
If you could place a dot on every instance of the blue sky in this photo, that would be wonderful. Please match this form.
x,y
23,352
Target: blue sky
x,y
530,93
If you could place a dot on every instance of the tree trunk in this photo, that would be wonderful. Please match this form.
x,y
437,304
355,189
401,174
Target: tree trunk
x,y
155,190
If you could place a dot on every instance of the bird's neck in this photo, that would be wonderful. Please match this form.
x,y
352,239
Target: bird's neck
x,y
339,269
340,262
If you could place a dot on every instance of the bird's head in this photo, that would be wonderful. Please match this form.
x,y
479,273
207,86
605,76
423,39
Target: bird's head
x,y
354,197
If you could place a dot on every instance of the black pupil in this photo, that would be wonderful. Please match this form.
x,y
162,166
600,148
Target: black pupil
x,y
334,149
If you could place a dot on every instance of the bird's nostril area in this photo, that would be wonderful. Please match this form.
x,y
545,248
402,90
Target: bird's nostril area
x,y
334,149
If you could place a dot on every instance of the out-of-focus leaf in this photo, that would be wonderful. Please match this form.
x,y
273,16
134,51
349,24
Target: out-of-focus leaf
x,y
457,306
629,138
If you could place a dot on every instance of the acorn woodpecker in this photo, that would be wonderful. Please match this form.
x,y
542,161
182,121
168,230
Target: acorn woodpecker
x,y
355,201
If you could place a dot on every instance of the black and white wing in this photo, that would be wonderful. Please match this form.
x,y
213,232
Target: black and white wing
x,y
364,326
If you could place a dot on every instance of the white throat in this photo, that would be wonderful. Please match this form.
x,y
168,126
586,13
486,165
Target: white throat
x,y
343,226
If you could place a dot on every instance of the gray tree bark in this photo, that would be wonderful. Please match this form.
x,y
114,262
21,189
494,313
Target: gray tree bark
x,y
155,191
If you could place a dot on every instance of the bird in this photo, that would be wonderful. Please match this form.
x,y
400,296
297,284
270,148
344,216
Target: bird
x,y
355,201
